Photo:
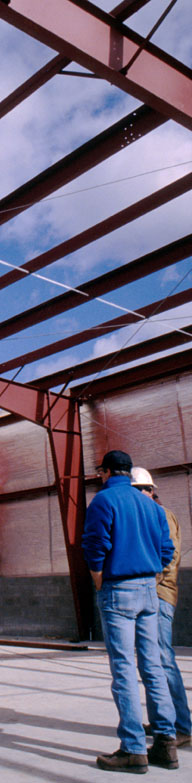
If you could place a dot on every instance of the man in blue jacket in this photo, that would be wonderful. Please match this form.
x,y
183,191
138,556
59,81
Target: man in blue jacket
x,y
126,542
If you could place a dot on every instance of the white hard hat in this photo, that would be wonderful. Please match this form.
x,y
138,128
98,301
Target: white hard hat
x,y
142,478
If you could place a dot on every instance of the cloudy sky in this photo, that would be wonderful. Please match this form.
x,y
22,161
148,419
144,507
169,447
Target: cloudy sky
x,y
59,117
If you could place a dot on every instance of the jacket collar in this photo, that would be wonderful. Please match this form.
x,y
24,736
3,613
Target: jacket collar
x,y
116,480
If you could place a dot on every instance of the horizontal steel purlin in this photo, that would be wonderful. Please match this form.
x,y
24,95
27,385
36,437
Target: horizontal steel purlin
x,y
141,267
97,331
98,41
78,241
124,355
128,130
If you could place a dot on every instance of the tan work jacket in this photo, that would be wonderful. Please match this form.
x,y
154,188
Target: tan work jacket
x,y
167,581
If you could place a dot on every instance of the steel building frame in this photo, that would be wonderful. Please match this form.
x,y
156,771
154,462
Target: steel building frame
x,y
79,31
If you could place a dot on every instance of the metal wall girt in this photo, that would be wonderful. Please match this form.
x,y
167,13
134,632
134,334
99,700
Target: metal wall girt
x,y
141,267
96,331
101,43
81,160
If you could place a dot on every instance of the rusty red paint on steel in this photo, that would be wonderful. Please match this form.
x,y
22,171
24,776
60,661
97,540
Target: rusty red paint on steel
x,y
156,368
23,401
97,331
141,267
80,160
98,41
68,465
51,68
26,402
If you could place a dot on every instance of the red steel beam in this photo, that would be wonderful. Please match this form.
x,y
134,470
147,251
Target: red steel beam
x,y
30,85
141,267
53,67
98,331
113,359
150,371
98,41
128,130
68,465
24,401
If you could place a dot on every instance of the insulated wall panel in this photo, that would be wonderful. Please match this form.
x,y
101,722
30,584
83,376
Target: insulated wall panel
x,y
145,420
31,538
26,457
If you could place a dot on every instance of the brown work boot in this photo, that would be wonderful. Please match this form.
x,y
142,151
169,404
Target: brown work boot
x,y
182,739
163,752
120,761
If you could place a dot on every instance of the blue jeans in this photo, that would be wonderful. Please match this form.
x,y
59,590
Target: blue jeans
x,y
174,679
129,616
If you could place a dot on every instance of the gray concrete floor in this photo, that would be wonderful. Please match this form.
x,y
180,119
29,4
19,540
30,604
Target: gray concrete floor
x,y
57,714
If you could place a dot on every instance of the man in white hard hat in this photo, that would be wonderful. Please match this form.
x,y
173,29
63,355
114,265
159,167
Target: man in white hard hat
x,y
168,592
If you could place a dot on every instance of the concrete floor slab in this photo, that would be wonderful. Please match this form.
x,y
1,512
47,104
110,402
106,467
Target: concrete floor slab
x,y
57,714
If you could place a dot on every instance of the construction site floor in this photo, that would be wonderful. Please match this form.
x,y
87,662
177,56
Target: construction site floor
x,y
57,714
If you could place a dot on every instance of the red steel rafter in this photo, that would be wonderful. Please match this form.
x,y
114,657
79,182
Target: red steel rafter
x,y
51,68
98,41
134,270
98,331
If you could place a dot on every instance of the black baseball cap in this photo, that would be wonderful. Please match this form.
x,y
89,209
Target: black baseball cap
x,y
116,460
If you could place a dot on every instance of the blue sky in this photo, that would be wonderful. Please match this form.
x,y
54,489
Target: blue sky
x,y
59,117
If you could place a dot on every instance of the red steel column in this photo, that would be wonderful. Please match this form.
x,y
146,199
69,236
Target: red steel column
x,y
66,447
63,425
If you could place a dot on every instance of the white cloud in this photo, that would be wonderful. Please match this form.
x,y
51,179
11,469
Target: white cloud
x,y
169,275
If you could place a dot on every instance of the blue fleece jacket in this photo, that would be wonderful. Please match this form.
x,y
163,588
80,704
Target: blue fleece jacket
x,y
126,534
